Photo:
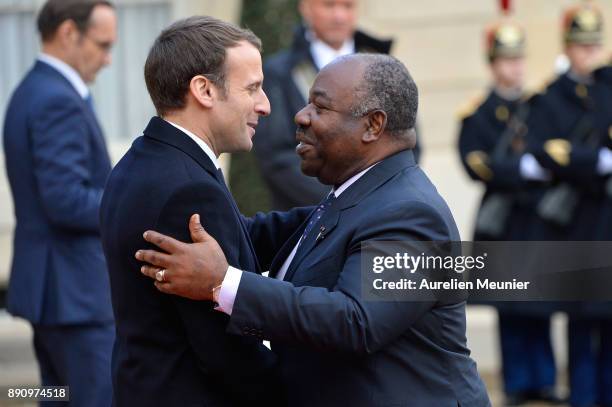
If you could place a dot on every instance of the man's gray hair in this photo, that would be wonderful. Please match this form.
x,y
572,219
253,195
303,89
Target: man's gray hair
x,y
387,86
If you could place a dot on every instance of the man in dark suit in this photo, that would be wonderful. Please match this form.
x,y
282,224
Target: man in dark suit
x,y
204,77
57,164
334,346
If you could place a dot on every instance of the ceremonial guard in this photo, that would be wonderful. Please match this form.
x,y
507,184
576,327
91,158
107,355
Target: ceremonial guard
x,y
492,144
571,134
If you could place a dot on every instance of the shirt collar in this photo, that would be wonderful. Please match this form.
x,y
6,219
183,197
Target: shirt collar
x,y
323,54
343,187
67,72
200,143
585,80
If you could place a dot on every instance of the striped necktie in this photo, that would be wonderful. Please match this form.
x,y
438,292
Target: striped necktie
x,y
316,216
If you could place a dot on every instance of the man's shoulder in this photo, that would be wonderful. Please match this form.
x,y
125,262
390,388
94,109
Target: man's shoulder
x,y
411,197
49,91
159,161
365,42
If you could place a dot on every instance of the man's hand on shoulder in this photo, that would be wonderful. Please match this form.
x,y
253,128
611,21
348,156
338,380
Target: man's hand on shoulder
x,y
188,270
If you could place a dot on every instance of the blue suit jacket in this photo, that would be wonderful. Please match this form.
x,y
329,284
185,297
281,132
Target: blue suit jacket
x,y
171,350
334,348
57,164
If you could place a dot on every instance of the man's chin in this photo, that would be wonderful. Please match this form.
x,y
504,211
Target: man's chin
x,y
311,171
307,169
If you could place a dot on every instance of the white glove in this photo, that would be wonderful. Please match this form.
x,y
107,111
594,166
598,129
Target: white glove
x,y
604,162
531,169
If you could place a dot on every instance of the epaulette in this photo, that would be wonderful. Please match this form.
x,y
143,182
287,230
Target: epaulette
x,y
468,108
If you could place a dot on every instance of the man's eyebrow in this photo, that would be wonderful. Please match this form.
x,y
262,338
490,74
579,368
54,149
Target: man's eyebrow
x,y
256,83
320,94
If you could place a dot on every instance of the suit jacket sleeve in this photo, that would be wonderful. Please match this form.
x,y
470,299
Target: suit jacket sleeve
x,y
338,320
245,365
61,156
275,148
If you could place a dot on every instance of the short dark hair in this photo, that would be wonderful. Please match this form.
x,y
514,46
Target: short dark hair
x,y
55,12
388,86
189,47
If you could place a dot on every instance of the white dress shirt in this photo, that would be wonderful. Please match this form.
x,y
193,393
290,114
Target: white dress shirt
x,y
323,54
231,282
209,152
67,72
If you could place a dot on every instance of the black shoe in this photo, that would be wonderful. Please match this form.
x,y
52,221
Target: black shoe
x,y
548,395
516,399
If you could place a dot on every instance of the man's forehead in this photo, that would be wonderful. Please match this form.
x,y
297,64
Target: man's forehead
x,y
244,54
343,74
102,14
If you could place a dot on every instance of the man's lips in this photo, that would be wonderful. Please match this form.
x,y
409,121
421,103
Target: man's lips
x,y
303,144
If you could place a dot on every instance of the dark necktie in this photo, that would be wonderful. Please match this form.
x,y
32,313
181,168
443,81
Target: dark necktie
x,y
316,216
220,175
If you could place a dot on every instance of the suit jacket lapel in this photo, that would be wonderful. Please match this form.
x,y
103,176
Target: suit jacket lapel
x,y
245,231
326,225
162,131
285,251
97,130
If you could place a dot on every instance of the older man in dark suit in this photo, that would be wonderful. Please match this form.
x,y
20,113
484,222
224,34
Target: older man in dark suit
x,y
334,346
57,164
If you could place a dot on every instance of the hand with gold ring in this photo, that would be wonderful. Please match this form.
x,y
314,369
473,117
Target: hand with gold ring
x,y
190,270
160,276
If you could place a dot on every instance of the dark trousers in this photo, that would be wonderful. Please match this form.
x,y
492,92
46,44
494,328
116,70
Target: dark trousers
x,y
590,361
78,356
528,362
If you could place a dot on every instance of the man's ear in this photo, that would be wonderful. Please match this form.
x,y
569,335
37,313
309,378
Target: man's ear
x,y
304,10
67,33
376,122
203,91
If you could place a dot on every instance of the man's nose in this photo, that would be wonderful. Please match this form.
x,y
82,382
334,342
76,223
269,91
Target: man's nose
x,y
108,59
263,105
302,118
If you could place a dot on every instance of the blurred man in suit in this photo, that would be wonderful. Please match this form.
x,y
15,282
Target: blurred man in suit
x,y
334,346
204,77
57,164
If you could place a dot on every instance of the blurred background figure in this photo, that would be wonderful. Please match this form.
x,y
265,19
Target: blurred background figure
x,y
570,134
329,30
57,164
492,148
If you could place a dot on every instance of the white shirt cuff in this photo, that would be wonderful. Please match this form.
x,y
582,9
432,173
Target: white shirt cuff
x,y
604,161
228,290
531,169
